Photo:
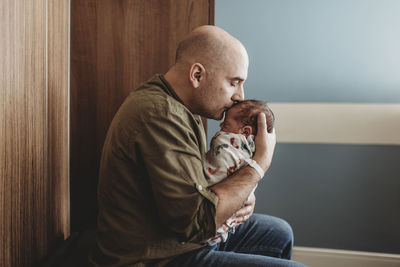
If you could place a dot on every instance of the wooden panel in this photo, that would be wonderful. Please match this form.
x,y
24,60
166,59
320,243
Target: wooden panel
x,y
83,122
23,136
115,46
27,209
58,120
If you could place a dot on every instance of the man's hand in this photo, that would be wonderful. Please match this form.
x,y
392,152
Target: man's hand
x,y
244,213
265,143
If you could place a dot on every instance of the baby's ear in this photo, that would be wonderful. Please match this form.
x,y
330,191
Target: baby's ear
x,y
246,131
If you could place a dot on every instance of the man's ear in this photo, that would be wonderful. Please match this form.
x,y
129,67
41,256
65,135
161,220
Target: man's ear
x,y
197,74
246,131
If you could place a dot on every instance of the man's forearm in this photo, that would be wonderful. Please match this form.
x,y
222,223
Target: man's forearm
x,y
233,191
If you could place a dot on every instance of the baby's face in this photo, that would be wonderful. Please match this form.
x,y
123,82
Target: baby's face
x,y
230,124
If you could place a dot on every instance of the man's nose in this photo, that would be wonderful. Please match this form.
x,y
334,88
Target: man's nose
x,y
239,94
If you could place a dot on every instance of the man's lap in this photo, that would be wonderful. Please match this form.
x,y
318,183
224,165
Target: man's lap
x,y
261,241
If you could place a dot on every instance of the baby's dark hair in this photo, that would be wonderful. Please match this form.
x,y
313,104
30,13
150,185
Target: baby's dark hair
x,y
249,110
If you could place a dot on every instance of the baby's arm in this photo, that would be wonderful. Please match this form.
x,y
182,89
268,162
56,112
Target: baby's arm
x,y
222,159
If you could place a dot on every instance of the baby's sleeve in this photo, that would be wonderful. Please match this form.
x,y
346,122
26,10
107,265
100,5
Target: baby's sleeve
x,y
223,158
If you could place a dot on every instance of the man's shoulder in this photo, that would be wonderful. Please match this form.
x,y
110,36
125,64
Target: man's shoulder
x,y
150,97
154,101
153,106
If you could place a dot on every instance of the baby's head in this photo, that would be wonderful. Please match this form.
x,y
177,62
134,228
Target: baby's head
x,y
241,118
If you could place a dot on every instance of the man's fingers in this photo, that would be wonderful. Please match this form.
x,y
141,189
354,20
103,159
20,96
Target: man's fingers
x,y
251,200
243,214
262,122
243,211
241,219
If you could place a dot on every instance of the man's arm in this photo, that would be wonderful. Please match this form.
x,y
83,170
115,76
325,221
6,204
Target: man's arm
x,y
233,191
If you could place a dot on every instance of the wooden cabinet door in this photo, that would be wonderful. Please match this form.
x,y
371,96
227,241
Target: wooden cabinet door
x,y
34,159
115,46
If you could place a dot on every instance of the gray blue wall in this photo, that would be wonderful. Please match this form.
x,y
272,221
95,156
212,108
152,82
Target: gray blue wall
x,y
342,196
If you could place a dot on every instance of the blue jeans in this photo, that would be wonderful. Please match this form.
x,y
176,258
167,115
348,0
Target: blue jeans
x,y
261,241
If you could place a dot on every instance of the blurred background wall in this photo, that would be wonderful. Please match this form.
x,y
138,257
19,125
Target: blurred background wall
x,y
331,71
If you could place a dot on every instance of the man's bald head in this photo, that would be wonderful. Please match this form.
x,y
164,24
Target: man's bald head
x,y
208,45
210,69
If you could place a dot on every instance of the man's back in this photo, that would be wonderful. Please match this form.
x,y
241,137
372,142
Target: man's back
x,y
149,205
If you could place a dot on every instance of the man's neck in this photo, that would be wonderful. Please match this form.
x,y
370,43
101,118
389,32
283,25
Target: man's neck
x,y
177,82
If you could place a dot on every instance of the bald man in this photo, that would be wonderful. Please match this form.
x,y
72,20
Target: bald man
x,y
155,208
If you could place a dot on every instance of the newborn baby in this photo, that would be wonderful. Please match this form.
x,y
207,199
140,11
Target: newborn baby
x,y
233,147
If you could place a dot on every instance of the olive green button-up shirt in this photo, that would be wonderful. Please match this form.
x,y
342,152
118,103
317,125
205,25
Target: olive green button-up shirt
x,y
153,197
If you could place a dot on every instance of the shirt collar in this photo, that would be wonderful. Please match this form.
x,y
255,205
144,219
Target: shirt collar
x,y
168,88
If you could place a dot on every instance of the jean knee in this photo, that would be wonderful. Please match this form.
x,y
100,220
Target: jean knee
x,y
286,230
282,234
287,237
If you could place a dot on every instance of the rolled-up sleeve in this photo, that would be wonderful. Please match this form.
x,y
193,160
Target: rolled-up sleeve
x,y
170,148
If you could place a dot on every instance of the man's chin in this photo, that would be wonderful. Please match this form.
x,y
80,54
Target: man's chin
x,y
219,116
216,117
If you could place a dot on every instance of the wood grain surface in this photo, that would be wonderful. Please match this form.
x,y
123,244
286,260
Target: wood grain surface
x,y
29,185
58,117
115,46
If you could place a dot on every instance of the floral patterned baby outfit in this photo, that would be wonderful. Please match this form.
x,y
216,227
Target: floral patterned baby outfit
x,y
227,154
